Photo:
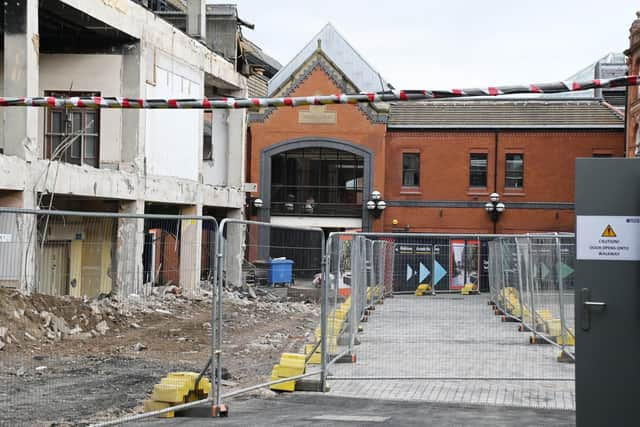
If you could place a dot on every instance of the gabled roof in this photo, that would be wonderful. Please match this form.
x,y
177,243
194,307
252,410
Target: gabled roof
x,y
376,112
341,53
512,114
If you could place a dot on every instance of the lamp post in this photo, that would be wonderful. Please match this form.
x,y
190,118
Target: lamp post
x,y
495,208
376,205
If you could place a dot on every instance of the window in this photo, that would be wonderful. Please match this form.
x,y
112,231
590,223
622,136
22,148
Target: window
x,y
514,171
478,170
72,135
317,182
601,155
207,136
411,169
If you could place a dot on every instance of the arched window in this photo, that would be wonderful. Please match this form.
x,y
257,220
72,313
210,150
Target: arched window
x,y
317,181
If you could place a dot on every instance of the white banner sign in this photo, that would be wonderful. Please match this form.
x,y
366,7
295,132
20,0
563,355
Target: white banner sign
x,y
613,238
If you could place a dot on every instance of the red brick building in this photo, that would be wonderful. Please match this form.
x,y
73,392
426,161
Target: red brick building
x,y
633,104
434,163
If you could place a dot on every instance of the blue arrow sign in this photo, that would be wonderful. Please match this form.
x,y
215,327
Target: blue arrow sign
x,y
439,273
424,272
544,271
409,272
565,270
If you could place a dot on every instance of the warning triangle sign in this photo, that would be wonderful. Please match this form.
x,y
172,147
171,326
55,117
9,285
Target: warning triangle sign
x,y
608,232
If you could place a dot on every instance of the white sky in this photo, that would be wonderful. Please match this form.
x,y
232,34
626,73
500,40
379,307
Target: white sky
x,y
431,44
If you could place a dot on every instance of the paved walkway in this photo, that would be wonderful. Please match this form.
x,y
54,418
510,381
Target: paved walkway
x,y
303,409
452,349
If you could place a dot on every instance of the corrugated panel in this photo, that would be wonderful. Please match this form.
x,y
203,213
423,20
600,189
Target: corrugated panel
x,y
487,114
257,86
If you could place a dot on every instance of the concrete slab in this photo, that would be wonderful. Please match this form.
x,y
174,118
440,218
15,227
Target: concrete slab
x,y
450,348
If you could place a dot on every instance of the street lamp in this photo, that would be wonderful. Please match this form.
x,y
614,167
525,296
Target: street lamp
x,y
254,205
495,208
376,205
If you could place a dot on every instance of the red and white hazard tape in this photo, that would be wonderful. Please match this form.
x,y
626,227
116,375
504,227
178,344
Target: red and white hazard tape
x,y
369,97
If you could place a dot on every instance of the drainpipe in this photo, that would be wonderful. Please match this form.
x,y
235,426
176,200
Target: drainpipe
x,y
626,145
495,162
495,172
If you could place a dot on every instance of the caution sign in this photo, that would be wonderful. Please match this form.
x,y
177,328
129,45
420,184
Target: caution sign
x,y
608,232
612,238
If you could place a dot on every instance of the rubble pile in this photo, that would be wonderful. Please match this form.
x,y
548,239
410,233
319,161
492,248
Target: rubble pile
x,y
264,300
35,319
40,318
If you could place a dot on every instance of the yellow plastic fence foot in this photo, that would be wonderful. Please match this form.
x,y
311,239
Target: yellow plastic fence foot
x,y
291,365
423,289
537,339
564,357
468,289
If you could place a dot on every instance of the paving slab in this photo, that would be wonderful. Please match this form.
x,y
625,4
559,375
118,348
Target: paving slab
x,y
452,349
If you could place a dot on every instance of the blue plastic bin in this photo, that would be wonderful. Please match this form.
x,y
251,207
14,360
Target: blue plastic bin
x,y
281,271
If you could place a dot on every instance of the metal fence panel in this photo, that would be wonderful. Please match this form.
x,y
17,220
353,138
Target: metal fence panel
x,y
266,267
97,309
440,323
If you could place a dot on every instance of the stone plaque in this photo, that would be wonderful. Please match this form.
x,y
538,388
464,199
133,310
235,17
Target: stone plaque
x,y
318,115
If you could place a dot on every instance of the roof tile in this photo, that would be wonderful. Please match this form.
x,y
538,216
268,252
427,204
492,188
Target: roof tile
x,y
503,114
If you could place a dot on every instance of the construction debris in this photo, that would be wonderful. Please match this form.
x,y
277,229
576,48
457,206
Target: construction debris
x,y
127,343
139,347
